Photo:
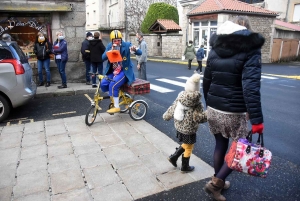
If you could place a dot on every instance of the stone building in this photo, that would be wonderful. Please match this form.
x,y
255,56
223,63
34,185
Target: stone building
x,y
18,19
204,19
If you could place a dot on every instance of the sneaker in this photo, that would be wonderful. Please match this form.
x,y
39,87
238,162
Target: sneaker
x,y
113,110
94,86
200,73
62,86
195,71
88,83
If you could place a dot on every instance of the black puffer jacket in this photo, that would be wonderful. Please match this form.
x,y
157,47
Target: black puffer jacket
x,y
96,48
42,50
232,76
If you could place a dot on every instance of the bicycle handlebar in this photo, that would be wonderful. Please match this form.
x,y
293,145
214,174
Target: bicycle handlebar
x,y
105,77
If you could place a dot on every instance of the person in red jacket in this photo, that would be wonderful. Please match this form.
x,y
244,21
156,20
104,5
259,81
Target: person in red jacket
x,y
231,88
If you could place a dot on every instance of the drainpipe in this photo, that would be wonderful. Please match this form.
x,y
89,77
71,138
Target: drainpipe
x,y
125,21
287,11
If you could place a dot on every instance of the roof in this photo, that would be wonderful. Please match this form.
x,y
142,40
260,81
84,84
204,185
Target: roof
x,y
286,26
164,25
213,6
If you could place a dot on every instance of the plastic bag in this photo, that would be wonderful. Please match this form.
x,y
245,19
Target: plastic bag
x,y
183,58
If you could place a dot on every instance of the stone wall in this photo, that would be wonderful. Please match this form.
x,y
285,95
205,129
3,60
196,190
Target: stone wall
x,y
262,25
171,45
73,26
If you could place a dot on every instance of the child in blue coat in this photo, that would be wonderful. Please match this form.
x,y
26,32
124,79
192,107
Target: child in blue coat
x,y
200,56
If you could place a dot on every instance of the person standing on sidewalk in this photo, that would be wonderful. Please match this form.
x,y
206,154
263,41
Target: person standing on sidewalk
x,y
200,56
190,53
142,59
188,113
42,50
96,48
86,56
231,88
60,49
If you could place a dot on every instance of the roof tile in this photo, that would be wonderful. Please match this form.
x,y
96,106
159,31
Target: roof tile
x,y
169,24
228,5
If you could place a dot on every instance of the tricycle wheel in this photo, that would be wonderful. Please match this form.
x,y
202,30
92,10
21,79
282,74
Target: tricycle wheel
x,y
91,115
138,110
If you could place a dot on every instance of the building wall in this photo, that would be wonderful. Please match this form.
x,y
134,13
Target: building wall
x,y
291,7
279,6
170,44
262,25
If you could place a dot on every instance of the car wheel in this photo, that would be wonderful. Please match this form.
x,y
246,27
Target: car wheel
x,y
4,108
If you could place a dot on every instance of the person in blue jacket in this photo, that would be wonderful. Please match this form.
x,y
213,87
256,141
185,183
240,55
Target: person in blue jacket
x,y
200,56
120,72
61,57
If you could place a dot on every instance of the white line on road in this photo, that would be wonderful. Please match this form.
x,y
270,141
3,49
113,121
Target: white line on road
x,y
181,84
287,85
72,112
268,77
160,89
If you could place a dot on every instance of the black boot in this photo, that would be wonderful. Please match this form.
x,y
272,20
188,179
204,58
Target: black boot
x,y
174,157
62,86
48,84
41,84
185,167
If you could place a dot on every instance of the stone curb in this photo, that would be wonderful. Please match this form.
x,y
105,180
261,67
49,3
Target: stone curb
x,y
69,92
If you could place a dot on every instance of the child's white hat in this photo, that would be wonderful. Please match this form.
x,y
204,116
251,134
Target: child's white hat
x,y
193,83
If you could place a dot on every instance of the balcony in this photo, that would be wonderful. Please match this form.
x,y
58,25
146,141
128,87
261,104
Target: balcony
x,y
112,25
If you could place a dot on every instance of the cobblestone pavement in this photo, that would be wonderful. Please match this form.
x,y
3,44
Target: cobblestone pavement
x,y
114,159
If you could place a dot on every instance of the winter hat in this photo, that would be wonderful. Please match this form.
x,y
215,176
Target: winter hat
x,y
89,34
193,83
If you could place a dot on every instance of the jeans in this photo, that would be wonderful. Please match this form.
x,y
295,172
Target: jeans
x,y
190,63
113,86
142,71
87,70
61,65
46,64
97,66
199,66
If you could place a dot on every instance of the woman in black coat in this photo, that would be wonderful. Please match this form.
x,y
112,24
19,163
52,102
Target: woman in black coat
x,y
231,87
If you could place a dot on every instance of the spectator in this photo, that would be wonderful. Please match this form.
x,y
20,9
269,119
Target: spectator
x,y
142,59
60,50
190,53
42,50
231,88
86,56
96,48
200,56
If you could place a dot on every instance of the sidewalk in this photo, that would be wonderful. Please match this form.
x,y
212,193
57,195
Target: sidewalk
x,y
114,159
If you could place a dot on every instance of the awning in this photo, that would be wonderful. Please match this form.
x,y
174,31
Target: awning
x,y
37,7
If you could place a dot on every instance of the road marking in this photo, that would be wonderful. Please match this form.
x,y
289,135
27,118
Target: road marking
x,y
185,78
287,85
88,97
297,77
268,77
19,121
63,113
181,84
160,89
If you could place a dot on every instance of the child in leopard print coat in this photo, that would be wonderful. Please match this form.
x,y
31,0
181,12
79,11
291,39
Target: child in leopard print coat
x,y
188,113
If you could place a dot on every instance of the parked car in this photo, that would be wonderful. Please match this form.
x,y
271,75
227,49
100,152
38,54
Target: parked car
x,y
16,84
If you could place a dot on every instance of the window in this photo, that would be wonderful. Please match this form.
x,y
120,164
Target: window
x,y
213,23
204,23
196,24
196,37
296,16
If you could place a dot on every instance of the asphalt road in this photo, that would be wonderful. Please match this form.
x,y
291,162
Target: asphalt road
x,y
281,108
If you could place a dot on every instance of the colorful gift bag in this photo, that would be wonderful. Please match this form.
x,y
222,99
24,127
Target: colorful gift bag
x,y
245,156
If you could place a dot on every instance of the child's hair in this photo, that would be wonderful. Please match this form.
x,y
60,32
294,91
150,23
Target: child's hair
x,y
202,46
190,42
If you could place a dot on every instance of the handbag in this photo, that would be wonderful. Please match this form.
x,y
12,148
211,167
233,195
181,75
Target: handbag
x,y
247,157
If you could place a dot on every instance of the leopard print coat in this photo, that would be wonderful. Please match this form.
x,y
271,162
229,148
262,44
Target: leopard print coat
x,y
193,116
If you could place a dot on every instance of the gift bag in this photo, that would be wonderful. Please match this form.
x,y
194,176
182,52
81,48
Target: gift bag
x,y
247,157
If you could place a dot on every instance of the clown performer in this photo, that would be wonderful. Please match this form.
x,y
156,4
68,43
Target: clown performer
x,y
120,72
187,111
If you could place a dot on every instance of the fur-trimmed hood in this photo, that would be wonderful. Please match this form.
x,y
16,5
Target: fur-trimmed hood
x,y
232,38
189,99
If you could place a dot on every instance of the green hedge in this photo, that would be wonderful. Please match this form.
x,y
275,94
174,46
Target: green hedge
x,y
159,11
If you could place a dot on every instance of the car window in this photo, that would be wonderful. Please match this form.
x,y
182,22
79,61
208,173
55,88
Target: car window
x,y
19,53
5,53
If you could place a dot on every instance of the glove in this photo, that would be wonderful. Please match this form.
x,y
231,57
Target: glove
x,y
257,128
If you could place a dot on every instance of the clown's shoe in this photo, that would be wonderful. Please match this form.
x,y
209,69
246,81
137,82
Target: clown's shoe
x,y
113,110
